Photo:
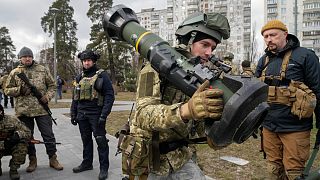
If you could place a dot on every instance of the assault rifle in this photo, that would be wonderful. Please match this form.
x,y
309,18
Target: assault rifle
x,y
124,130
35,141
36,93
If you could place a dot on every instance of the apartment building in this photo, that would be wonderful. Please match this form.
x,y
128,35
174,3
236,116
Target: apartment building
x,y
311,25
302,18
165,22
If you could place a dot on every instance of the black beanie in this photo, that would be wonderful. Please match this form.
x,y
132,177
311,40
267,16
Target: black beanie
x,y
200,36
25,51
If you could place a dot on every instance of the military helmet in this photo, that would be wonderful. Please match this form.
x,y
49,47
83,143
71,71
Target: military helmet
x,y
213,24
88,54
228,56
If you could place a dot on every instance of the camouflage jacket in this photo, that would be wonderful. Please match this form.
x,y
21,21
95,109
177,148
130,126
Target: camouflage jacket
x,y
9,125
158,109
247,72
41,78
3,80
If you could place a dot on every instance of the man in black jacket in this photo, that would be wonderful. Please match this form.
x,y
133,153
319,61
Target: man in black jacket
x,y
286,68
93,98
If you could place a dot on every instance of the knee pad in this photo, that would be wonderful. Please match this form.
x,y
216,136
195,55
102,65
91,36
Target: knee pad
x,y
102,142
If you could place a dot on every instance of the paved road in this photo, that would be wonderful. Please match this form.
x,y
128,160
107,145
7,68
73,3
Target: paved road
x,y
69,153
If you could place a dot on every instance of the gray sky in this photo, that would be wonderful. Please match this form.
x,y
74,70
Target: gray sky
x,y
22,18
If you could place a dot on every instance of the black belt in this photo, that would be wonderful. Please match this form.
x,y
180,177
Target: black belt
x,y
166,147
277,82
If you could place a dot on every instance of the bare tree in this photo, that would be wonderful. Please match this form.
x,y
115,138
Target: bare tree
x,y
253,54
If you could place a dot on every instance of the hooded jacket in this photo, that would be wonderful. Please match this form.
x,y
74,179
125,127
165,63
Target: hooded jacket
x,y
304,67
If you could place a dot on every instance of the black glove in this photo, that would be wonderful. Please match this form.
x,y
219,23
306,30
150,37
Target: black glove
x,y
74,120
13,140
102,122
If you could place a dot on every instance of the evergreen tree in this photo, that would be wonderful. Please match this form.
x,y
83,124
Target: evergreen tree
x,y
6,50
115,56
65,35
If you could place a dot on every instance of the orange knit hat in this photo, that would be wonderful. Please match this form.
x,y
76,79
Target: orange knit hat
x,y
274,24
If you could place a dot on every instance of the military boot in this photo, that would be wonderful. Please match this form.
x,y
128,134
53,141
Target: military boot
x,y
14,175
32,164
103,174
54,163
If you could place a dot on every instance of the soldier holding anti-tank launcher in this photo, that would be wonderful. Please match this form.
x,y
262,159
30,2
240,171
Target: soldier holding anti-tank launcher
x,y
173,96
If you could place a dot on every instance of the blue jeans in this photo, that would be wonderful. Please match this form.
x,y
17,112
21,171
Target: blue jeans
x,y
59,91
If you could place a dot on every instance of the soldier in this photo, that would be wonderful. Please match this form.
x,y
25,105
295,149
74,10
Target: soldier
x,y
13,141
3,80
28,108
227,59
165,116
246,68
293,75
92,101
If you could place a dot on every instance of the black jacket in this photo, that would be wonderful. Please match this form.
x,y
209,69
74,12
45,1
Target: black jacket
x,y
91,107
304,67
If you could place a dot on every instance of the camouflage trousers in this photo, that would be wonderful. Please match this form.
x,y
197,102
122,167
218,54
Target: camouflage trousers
x,y
287,153
188,171
18,153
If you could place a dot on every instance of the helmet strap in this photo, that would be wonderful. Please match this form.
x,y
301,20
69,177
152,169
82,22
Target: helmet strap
x,y
193,36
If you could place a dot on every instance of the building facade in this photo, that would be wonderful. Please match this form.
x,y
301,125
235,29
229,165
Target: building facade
x,y
302,18
165,22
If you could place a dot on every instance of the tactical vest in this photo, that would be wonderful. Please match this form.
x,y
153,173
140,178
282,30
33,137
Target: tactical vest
x,y
288,92
85,88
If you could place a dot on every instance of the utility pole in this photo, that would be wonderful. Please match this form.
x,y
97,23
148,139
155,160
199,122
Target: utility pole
x,y
55,10
296,18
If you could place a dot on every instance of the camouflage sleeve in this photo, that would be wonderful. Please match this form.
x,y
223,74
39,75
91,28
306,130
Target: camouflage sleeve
x,y
12,86
21,129
150,113
51,85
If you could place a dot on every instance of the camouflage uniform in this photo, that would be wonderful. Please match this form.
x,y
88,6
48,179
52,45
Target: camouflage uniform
x,y
3,81
158,110
247,72
28,108
40,77
8,126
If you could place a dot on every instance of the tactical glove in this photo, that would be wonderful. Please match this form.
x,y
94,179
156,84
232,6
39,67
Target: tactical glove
x,y
205,103
25,91
74,120
102,122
